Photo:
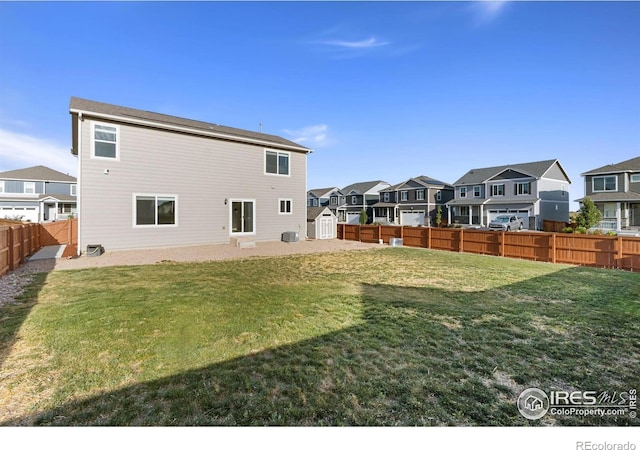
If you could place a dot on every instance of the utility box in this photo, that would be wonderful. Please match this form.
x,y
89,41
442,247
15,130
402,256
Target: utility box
x,y
290,236
395,242
95,250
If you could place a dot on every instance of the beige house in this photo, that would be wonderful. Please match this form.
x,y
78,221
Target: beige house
x,y
152,180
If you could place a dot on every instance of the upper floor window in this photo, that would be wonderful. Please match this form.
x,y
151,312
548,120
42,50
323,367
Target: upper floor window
x,y
439,195
404,196
477,191
497,189
105,141
523,188
563,189
463,192
29,187
74,190
635,178
334,200
606,183
386,197
420,194
277,163
354,199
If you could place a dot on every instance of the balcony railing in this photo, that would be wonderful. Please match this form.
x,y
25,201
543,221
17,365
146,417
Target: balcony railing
x,y
608,224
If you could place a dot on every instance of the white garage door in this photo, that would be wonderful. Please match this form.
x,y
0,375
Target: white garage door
x,y
29,213
353,218
521,213
327,229
412,218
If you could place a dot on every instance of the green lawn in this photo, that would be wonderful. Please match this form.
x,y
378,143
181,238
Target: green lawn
x,y
394,336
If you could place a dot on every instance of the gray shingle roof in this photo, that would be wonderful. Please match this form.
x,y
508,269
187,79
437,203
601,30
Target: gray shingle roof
x,y
80,104
314,211
477,176
630,165
321,192
362,187
613,197
421,180
37,173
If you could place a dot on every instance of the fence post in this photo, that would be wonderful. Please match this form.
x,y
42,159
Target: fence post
x,y
619,253
429,237
461,241
10,255
502,235
553,248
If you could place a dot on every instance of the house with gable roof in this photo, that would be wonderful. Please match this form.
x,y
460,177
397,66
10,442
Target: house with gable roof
x,y
352,199
37,194
615,190
153,180
413,202
533,191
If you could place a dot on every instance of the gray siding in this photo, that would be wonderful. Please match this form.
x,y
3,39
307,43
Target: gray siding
x,y
203,173
509,190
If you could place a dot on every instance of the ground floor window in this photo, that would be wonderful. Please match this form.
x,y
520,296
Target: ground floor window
x,y
242,216
285,206
155,210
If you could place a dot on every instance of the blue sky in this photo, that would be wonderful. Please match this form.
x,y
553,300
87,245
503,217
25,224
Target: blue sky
x,y
378,90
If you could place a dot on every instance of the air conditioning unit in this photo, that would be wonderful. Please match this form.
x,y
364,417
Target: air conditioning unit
x,y
95,250
290,236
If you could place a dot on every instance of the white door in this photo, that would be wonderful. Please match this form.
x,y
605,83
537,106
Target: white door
x,y
412,218
326,228
52,213
353,218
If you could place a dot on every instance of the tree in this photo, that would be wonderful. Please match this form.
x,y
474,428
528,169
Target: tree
x,y
588,214
438,215
363,217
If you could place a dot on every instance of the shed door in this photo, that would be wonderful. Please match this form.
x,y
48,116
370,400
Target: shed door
x,y
326,228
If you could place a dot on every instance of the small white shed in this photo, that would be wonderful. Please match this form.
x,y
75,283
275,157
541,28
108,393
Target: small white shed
x,y
321,223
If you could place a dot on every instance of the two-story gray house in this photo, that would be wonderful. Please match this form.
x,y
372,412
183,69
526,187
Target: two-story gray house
x,y
153,180
413,202
320,197
534,191
37,194
356,197
615,189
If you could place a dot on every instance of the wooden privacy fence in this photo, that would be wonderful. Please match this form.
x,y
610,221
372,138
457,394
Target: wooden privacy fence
x,y
619,252
19,241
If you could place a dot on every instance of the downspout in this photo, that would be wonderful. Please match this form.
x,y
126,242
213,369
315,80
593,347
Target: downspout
x,y
79,185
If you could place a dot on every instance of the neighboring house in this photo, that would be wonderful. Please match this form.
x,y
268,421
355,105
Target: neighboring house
x,y
413,202
321,223
320,197
37,194
534,191
153,180
359,196
615,189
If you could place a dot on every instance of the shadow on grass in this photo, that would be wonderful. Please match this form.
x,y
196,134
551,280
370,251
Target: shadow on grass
x,y
13,315
422,356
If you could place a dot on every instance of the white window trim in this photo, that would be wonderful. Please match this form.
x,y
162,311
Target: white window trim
x,y
93,141
74,190
386,196
463,192
155,226
278,153
280,200
494,189
523,183
334,200
439,196
30,184
478,190
593,187
354,199
255,214
404,196
420,194
636,176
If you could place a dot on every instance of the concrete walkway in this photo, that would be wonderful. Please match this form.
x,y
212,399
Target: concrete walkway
x,y
48,252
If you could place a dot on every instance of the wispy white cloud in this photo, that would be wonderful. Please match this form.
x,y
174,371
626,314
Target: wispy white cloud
x,y
18,151
313,135
365,43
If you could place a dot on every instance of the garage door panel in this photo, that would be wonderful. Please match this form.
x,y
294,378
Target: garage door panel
x,y
412,218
